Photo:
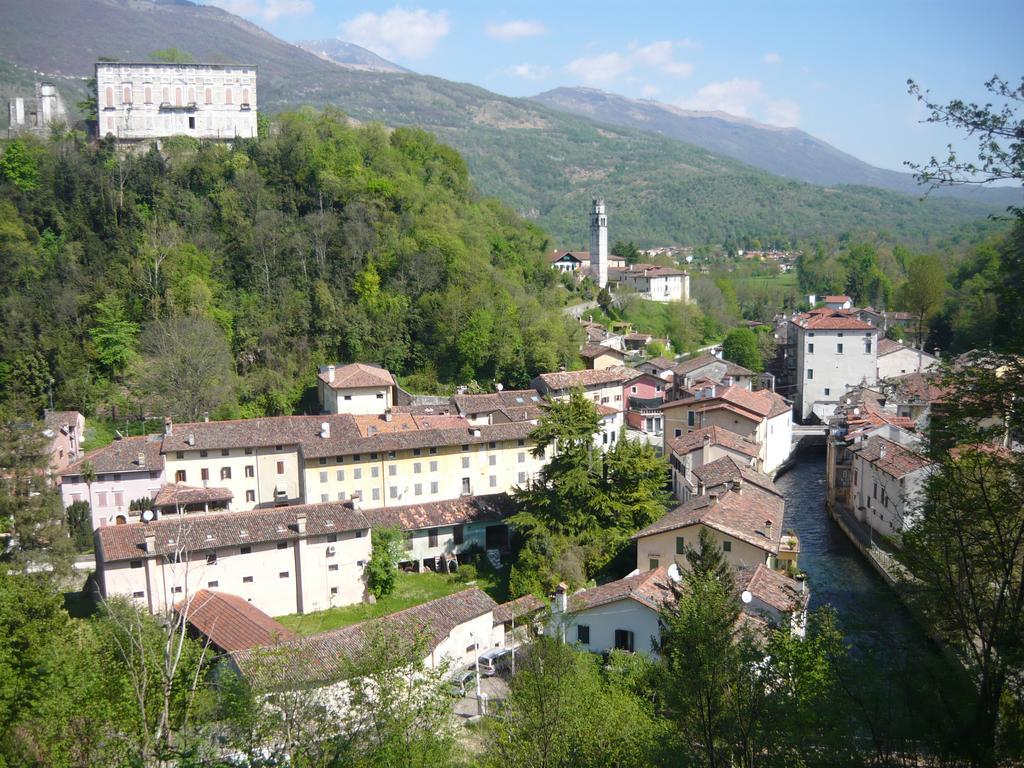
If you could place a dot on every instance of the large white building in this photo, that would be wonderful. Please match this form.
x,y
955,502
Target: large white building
x,y
157,100
895,359
888,479
834,350
653,282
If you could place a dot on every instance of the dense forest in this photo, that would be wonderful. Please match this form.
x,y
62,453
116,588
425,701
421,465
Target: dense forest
x,y
317,242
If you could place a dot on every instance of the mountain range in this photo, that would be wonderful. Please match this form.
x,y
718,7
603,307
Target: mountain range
x,y
545,157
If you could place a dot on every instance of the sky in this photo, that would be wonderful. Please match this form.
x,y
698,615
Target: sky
x,y
837,70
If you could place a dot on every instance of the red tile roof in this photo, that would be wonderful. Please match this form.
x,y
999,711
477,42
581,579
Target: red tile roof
x,y
837,299
174,494
832,320
774,588
728,471
591,351
203,532
763,403
726,438
565,380
897,461
919,387
230,622
580,256
651,588
467,509
470,405
326,657
650,270
123,456
741,515
518,608
703,361
357,375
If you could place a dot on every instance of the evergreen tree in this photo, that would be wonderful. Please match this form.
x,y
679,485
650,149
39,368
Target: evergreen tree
x,y
740,346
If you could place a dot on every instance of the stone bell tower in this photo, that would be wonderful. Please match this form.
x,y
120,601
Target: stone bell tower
x,y
599,243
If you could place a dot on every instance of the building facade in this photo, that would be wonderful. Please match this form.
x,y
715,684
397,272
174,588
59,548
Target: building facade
x,y
888,480
654,283
147,101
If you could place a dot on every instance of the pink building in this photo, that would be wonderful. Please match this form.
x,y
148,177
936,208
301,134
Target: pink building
x,y
124,471
644,395
65,431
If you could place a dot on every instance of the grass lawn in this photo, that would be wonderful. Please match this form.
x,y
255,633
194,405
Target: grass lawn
x,y
100,432
411,589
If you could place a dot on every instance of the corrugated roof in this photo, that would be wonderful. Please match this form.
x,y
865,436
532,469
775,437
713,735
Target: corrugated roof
x,y
230,622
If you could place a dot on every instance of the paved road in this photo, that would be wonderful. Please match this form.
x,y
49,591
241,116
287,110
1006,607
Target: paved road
x,y
494,688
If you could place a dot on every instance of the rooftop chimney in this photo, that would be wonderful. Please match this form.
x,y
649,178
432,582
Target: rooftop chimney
x,y
713,498
707,439
191,439
881,451
150,543
325,429
300,522
330,374
141,459
168,426
206,416
737,485
560,603
801,581
388,415
768,527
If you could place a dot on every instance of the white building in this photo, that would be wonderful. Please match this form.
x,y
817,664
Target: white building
x,y
888,479
599,243
603,386
838,302
37,115
895,359
291,560
654,283
834,350
355,388
568,261
140,101
693,450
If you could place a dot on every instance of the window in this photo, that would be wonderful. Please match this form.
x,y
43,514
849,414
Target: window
x,y
867,345
652,563
492,460
679,433
245,550
432,537
839,348
204,473
325,497
522,457
323,477
204,454
466,488
247,579
138,594
136,563
416,468
126,95
278,447
280,467
211,558
176,590
250,496
339,474
283,575
348,397
827,391
375,494
227,100
433,487
522,477
225,473
374,471
465,462
492,445
433,466
433,451
323,462
179,476
417,451
810,348
357,473
213,584
393,492
493,481
282,545
727,546
520,442
633,390
208,95
407,540
332,567
624,640
179,454
250,470
418,489
101,499
465,447
248,451
810,373
680,545
458,534
109,94
583,634
392,470
691,418
334,591
147,95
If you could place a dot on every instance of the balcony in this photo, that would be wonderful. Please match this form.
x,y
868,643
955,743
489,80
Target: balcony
x,y
166,106
646,403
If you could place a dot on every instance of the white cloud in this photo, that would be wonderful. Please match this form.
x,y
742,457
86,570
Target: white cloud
x,y
744,98
530,71
650,91
267,10
401,33
772,58
658,56
513,30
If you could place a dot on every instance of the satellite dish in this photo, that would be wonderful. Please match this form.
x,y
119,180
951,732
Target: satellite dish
x,y
673,573
499,386
746,596
856,411
147,515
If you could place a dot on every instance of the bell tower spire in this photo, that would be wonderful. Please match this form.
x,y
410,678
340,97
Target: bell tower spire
x,y
599,243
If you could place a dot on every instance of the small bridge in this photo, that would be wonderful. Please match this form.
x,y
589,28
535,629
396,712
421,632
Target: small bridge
x,y
810,435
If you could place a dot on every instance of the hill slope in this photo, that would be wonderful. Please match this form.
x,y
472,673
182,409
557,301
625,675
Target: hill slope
x,y
350,55
545,163
787,152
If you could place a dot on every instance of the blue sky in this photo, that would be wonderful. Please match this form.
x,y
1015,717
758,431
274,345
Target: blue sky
x,y
837,70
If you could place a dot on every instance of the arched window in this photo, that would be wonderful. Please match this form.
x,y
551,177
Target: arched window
x,y
147,95
209,95
177,96
167,95
191,95
109,94
227,95
245,95
127,95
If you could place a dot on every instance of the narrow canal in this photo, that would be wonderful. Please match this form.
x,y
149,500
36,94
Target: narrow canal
x,y
899,684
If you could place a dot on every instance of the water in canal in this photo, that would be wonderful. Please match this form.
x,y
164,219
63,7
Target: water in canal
x,y
898,679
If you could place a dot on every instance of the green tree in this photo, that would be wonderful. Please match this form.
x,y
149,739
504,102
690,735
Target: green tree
x,y
19,164
740,346
924,291
866,284
382,569
604,300
708,559
627,251
172,56
113,335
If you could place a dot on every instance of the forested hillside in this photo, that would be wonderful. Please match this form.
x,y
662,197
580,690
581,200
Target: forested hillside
x,y
546,164
318,242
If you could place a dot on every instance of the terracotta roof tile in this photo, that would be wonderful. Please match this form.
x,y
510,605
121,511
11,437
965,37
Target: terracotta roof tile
x,y
174,494
774,588
651,588
726,438
202,532
837,299
591,351
897,460
832,320
123,456
565,380
230,622
581,256
923,387
727,470
496,401
661,363
323,658
357,375
763,403
518,608
467,509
